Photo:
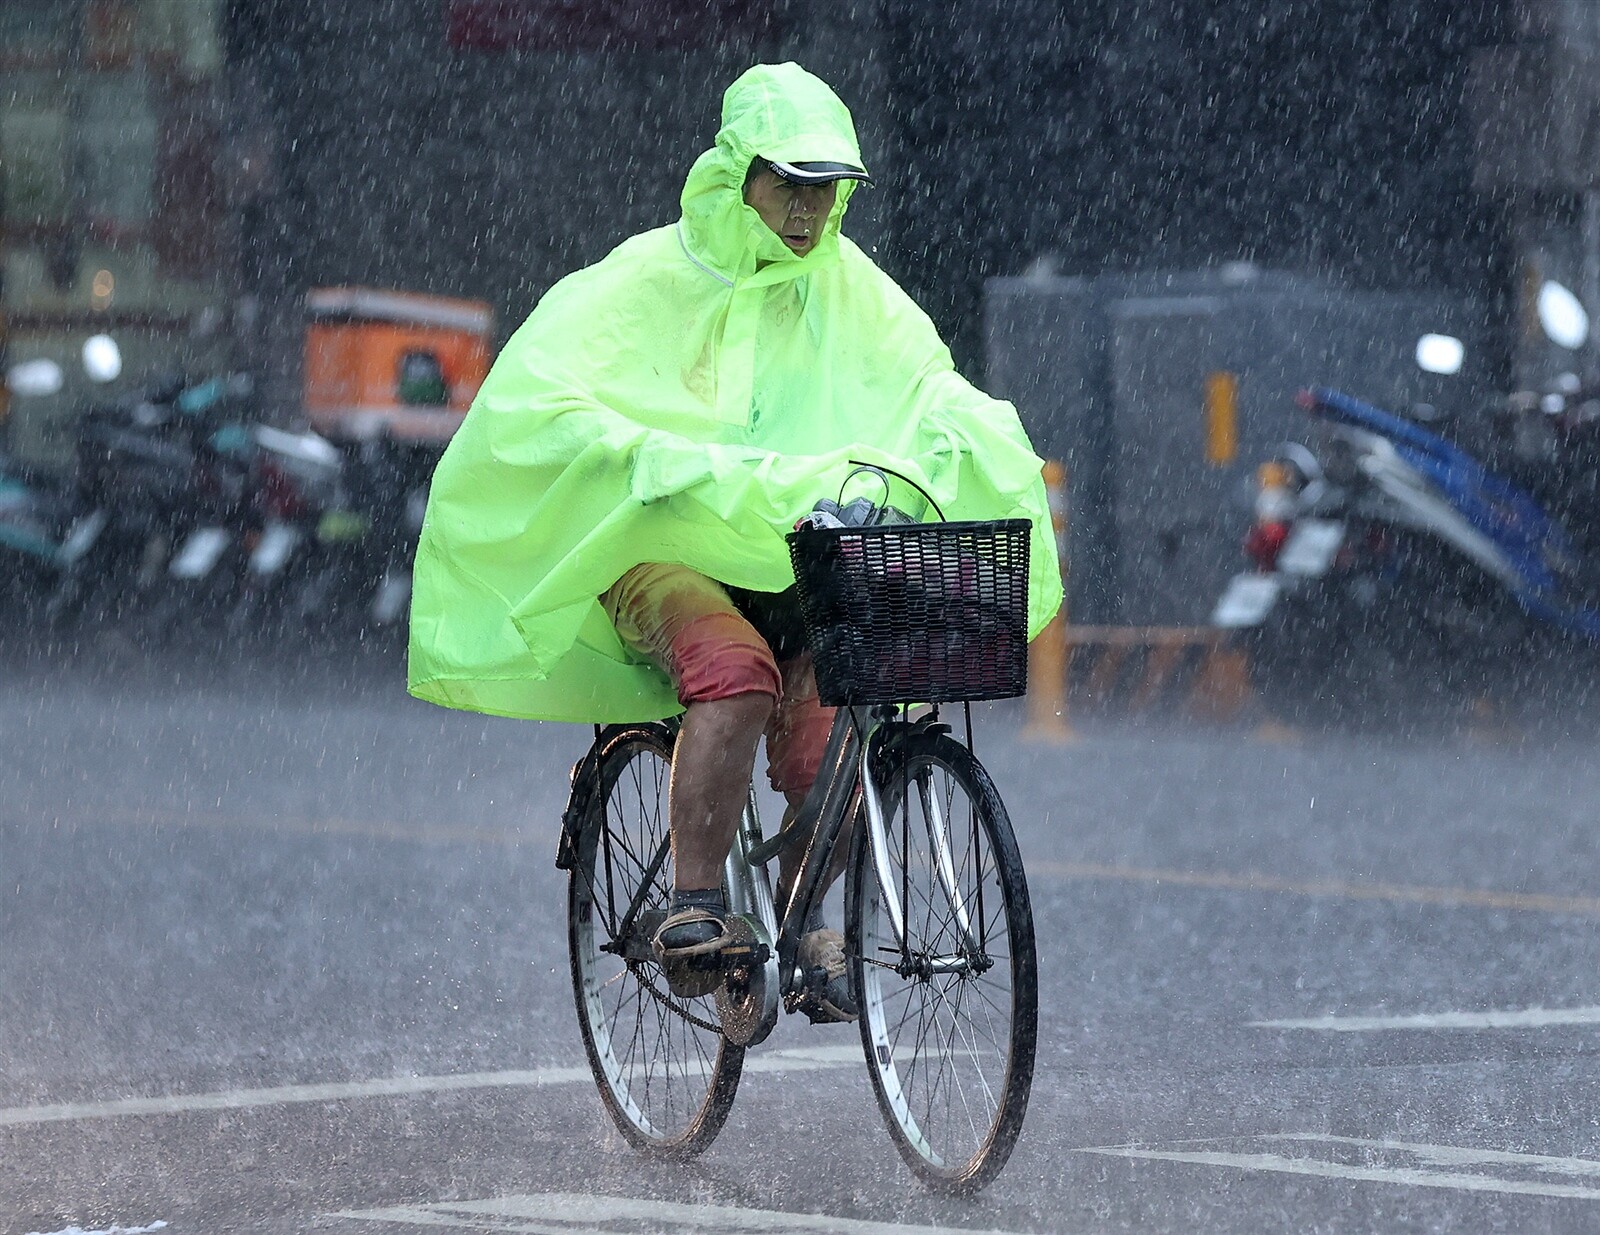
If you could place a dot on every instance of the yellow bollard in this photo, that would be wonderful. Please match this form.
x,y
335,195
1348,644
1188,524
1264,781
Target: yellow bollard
x,y
1047,655
1222,418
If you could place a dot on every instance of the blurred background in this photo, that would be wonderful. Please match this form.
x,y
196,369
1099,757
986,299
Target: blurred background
x,y
1295,298
258,254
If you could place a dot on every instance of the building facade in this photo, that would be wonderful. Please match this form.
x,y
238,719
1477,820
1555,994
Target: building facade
x,y
114,220
184,172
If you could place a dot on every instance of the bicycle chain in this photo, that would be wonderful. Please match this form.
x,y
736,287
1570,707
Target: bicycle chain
x,y
675,1007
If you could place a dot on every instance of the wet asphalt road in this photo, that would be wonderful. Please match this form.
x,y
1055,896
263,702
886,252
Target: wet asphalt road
x,y
283,951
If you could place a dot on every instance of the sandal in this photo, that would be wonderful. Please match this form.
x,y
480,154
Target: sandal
x,y
825,997
691,958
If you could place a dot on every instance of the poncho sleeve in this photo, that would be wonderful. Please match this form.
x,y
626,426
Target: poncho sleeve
x,y
549,492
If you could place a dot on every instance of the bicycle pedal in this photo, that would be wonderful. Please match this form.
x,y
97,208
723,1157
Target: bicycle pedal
x,y
811,998
746,1004
805,995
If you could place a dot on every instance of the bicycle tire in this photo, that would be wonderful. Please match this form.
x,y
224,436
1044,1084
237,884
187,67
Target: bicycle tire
x,y
950,1053
666,1081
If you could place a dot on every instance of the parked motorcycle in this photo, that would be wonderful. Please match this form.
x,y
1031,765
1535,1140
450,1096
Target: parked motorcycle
x,y
338,526
39,538
33,519
1547,440
160,483
296,491
1388,544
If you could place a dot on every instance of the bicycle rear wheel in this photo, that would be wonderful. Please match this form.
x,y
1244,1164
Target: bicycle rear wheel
x,y
949,1012
665,1072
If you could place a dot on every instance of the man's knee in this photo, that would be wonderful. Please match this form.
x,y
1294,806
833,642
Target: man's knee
x,y
720,657
689,626
795,745
743,713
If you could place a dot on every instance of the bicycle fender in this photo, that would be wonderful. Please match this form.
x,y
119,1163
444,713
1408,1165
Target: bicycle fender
x,y
585,781
585,784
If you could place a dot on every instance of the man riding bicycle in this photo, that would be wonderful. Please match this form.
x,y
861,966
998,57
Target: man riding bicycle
x,y
604,539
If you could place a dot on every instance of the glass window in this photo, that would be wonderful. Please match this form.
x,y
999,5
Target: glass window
x,y
34,144
35,31
118,141
422,380
183,32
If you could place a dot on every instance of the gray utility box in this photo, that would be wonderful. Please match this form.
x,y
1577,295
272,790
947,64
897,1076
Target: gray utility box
x,y
1110,375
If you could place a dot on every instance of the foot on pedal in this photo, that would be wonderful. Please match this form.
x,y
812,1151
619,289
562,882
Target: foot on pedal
x,y
689,947
825,991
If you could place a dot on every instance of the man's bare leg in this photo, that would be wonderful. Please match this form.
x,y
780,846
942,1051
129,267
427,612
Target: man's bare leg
x,y
711,768
820,947
790,856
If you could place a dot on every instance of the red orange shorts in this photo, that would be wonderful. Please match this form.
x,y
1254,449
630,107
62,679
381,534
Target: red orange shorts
x,y
691,627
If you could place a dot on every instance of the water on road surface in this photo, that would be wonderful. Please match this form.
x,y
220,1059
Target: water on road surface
x,y
284,951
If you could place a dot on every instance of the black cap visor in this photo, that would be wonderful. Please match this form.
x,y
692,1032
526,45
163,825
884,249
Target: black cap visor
x,y
817,173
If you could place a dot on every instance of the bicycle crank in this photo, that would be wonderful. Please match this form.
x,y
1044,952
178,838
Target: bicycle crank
x,y
747,1003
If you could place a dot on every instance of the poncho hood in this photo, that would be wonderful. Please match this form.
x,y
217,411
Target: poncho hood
x,y
772,111
686,400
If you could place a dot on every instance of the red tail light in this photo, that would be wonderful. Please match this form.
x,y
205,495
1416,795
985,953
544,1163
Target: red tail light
x,y
1264,543
278,496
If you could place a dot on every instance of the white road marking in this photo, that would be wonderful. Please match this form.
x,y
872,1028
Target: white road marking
x,y
805,1059
110,1230
1391,1162
567,1213
1456,1155
1526,1018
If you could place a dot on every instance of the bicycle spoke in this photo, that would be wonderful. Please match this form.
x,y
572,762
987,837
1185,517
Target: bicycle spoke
x,y
664,1071
945,1019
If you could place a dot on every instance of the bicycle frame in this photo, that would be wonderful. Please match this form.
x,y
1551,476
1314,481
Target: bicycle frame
x,y
832,801
844,791
949,1032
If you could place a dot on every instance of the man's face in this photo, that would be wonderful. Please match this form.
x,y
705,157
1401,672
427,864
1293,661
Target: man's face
x,y
797,213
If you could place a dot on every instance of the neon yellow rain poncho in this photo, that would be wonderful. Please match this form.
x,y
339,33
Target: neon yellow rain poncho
x,y
687,399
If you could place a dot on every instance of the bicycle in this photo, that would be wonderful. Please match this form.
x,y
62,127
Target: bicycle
x,y
939,931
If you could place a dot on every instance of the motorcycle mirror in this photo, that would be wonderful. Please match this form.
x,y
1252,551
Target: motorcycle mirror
x,y
33,378
102,358
1440,353
1562,315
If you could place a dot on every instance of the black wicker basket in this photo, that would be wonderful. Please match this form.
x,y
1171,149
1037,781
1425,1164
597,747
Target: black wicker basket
x,y
918,612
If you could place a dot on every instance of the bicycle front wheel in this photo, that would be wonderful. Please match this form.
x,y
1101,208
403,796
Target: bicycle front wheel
x,y
665,1072
942,951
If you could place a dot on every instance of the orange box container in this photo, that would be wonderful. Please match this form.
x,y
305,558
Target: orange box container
x,y
388,362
